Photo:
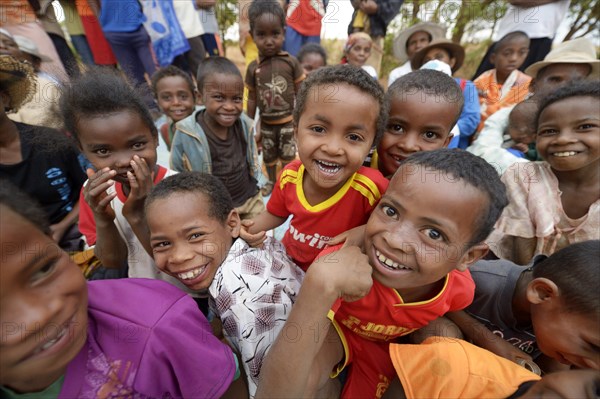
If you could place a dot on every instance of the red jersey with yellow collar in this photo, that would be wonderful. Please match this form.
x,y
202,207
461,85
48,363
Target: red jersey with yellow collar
x,y
382,315
314,225
367,326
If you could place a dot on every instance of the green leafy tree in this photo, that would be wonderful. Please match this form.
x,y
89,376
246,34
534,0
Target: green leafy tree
x,y
227,15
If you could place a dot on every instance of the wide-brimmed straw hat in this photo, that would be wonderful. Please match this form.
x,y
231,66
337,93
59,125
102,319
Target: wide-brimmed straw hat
x,y
400,42
456,51
18,79
576,51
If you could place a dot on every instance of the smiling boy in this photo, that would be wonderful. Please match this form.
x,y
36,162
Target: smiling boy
x,y
417,249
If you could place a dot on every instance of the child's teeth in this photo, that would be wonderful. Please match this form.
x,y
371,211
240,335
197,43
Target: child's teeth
x,y
565,154
191,274
388,262
52,341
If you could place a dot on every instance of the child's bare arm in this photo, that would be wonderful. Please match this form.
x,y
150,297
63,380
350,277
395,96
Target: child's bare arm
x,y
524,250
251,103
110,248
307,336
254,231
481,336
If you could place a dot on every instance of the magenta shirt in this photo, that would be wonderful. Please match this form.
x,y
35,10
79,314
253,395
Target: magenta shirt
x,y
147,338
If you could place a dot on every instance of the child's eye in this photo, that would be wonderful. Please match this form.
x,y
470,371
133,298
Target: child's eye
x,y
318,129
44,271
101,151
389,211
434,234
195,236
430,135
218,97
586,126
165,98
395,128
238,100
355,137
160,245
547,132
138,146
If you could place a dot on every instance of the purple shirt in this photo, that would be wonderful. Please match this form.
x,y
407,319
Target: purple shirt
x,y
147,338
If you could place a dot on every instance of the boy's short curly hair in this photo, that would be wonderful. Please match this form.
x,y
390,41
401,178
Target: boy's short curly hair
x,y
474,171
212,65
430,83
574,269
260,7
172,71
352,76
101,91
579,88
220,202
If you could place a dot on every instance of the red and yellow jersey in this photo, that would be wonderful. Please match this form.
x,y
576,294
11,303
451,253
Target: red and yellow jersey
x,y
382,314
314,225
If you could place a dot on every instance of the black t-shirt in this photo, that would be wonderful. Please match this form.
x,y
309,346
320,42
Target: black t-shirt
x,y
229,162
49,172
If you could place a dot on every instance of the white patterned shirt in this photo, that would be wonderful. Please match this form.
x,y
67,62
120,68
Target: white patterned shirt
x,y
253,292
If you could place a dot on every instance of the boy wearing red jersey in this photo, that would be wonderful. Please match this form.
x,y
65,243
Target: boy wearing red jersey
x,y
340,115
411,270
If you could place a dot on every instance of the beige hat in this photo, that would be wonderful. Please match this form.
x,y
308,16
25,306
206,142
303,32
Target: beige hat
x,y
26,45
18,79
400,42
576,51
456,51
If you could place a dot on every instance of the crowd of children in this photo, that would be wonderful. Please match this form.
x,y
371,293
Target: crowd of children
x,y
407,269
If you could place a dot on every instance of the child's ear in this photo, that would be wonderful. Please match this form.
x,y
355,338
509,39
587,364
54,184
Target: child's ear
x,y
447,140
234,223
493,59
452,62
474,253
540,290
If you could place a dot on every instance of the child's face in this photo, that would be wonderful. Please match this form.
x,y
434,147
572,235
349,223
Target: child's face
x,y
334,135
416,42
568,135
520,127
268,34
222,95
441,54
555,75
570,338
510,56
43,306
417,122
415,237
311,62
112,141
175,98
565,385
359,53
186,241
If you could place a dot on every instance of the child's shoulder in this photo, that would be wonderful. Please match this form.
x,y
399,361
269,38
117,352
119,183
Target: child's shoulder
x,y
106,299
372,178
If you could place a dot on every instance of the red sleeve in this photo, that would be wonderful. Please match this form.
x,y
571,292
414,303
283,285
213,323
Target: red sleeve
x,y
277,203
87,223
463,290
